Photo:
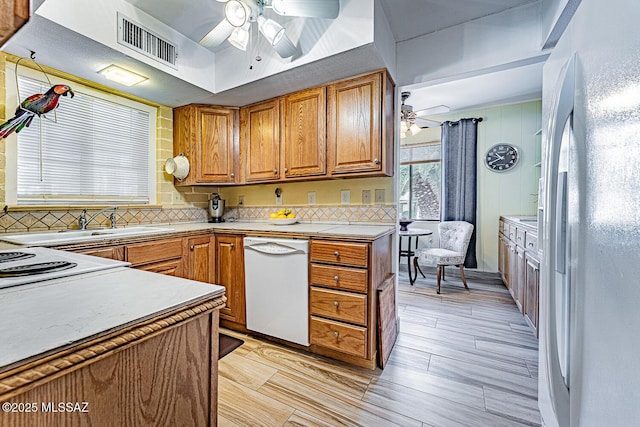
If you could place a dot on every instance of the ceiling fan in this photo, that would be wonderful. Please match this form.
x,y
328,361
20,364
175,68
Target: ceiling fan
x,y
408,117
240,14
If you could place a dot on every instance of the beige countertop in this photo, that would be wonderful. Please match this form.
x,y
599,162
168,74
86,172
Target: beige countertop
x,y
46,317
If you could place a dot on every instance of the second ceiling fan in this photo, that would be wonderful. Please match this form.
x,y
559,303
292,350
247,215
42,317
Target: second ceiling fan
x,y
240,14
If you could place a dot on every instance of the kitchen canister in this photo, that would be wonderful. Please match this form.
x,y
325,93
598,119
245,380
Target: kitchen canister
x,y
177,166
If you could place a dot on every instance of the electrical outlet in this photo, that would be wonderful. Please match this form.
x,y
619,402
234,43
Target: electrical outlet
x,y
366,197
345,197
311,198
240,200
380,195
279,200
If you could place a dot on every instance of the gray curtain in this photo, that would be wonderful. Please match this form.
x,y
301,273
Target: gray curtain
x,y
459,177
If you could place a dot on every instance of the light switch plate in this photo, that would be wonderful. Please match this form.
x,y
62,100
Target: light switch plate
x,y
345,197
380,195
311,198
366,197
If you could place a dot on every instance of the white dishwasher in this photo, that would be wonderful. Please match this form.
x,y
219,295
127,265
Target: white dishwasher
x,y
277,287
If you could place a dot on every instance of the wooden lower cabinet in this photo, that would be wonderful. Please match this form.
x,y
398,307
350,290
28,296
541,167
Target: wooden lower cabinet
x,y
161,372
229,272
519,266
344,277
163,256
200,258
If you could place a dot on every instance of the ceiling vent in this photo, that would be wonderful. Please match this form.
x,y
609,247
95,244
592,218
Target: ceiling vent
x,y
138,38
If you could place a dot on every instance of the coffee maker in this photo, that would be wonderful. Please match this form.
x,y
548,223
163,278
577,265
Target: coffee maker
x,y
216,208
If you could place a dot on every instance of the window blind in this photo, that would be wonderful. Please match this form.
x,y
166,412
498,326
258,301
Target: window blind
x,y
97,151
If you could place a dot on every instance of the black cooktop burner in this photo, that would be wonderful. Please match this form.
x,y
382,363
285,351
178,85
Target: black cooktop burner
x,y
40,268
14,256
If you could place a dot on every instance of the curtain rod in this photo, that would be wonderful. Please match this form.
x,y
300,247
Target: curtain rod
x,y
473,119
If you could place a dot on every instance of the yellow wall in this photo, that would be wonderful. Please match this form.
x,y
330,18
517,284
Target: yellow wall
x,y
295,193
508,193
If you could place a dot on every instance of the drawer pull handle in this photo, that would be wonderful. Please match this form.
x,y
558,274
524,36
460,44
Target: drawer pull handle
x,y
336,253
336,278
335,334
336,303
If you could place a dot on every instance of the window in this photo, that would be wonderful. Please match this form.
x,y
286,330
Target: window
x,y
420,177
99,148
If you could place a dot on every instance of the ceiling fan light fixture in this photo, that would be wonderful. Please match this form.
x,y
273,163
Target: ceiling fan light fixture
x,y
237,13
414,129
403,126
270,29
239,38
285,47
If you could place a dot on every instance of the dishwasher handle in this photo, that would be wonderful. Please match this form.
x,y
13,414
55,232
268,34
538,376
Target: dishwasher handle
x,y
274,249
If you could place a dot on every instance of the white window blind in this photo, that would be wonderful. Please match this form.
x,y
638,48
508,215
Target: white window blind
x,y
97,151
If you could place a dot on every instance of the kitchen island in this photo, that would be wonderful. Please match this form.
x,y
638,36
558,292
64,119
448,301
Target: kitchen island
x,y
115,347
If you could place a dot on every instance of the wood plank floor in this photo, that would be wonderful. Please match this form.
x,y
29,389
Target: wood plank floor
x,y
463,358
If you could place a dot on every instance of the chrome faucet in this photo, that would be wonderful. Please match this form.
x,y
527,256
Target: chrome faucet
x,y
83,221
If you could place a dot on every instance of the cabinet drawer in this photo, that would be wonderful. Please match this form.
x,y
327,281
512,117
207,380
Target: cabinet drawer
x,y
531,242
111,252
142,253
505,229
345,253
510,232
520,237
352,279
339,336
170,268
339,305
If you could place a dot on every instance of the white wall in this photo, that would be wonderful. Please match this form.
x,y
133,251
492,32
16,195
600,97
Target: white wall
x,y
503,38
508,193
383,39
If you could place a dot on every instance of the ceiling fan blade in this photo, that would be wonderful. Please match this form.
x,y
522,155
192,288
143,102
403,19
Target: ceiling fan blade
x,y
285,47
307,8
426,123
438,109
218,34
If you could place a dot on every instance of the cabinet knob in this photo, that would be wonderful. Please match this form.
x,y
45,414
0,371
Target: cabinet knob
x,y
232,174
192,247
336,303
275,171
336,253
335,334
286,170
336,278
231,245
376,161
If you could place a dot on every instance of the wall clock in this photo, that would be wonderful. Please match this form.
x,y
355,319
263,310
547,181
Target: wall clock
x,y
502,157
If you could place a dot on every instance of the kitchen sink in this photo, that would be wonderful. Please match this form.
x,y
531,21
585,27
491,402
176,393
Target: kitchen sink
x,y
53,238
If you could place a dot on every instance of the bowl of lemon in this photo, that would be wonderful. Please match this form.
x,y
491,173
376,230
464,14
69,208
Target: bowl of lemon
x,y
283,217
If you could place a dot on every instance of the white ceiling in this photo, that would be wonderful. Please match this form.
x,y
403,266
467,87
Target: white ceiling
x,y
194,18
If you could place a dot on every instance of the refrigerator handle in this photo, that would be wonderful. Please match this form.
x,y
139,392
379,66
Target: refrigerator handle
x,y
561,222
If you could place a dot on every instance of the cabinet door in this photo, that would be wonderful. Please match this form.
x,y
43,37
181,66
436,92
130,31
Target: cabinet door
x,y
354,125
520,284
230,274
217,160
260,124
305,143
532,280
13,15
200,258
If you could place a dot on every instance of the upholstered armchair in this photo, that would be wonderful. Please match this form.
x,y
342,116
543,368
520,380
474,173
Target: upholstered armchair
x,y
454,242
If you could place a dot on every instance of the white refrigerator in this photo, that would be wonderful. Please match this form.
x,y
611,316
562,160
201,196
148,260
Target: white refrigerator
x,y
589,217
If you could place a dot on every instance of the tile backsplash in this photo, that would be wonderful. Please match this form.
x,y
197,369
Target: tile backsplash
x,y
325,213
16,221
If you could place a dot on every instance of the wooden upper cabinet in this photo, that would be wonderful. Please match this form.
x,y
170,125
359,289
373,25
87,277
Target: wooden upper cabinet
x,y
208,136
13,15
359,131
260,139
304,127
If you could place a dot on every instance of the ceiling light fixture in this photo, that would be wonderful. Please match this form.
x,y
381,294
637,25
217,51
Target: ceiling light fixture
x,y
121,75
241,13
407,118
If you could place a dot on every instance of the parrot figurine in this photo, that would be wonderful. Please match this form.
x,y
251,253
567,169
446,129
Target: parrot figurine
x,y
37,104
